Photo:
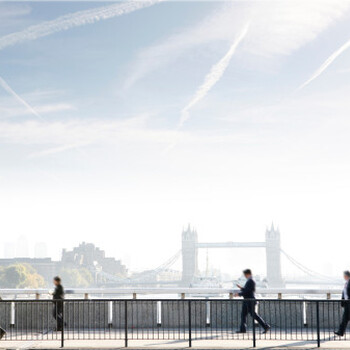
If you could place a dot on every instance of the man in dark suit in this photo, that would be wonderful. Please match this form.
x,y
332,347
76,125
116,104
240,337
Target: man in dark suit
x,y
2,331
248,293
345,304
58,296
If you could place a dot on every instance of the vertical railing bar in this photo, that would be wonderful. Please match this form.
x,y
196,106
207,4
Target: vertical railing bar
x,y
189,325
291,320
179,319
221,322
323,318
254,332
12,324
139,323
312,316
212,320
285,305
173,321
333,309
126,323
318,323
62,331
328,317
194,305
29,322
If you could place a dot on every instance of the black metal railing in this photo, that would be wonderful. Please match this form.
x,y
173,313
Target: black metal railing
x,y
186,320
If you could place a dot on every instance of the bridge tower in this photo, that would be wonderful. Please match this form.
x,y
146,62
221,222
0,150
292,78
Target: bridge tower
x,y
273,258
189,255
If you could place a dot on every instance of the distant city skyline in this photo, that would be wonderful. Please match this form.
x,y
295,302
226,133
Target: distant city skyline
x,y
22,248
215,260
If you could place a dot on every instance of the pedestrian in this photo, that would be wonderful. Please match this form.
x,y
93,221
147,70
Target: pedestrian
x,y
345,296
249,303
58,296
2,331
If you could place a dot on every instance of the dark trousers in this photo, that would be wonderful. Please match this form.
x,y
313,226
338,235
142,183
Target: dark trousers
x,y
345,318
249,308
2,333
57,313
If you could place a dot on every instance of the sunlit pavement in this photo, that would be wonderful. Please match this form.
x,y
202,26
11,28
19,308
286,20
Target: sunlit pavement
x,y
201,344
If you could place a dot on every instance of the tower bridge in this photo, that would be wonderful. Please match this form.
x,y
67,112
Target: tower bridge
x,y
189,255
272,246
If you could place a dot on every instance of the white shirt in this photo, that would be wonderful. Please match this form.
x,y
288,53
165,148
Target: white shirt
x,y
345,290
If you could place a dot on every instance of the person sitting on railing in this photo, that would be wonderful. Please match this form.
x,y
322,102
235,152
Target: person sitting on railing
x,y
248,293
345,304
58,296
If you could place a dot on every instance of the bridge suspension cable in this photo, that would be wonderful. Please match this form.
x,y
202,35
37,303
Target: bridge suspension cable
x,y
170,262
306,270
166,265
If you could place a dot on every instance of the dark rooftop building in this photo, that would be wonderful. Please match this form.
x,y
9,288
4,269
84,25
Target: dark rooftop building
x,y
91,257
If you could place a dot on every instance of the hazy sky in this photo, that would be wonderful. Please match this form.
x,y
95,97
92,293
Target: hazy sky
x,y
122,122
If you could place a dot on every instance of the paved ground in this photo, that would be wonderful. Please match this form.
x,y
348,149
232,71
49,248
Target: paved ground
x,y
203,339
167,345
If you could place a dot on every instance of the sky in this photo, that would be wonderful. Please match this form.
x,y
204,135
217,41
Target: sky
x,y
122,122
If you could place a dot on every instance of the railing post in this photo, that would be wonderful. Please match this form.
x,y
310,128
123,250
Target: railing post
x,y
13,314
318,323
189,325
62,330
110,314
207,314
159,313
126,322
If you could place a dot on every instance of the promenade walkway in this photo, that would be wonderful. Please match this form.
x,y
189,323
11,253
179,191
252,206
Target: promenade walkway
x,y
167,345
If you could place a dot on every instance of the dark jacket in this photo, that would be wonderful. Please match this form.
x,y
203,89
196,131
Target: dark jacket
x,y
58,293
348,295
248,291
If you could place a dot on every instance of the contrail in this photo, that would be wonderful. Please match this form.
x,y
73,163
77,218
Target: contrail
x,y
7,88
212,77
326,63
72,20
59,149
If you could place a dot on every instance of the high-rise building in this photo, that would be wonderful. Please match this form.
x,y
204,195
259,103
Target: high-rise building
x,y
40,250
9,250
22,250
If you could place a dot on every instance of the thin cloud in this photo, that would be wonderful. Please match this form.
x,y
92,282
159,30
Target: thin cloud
x,y
72,20
278,28
213,76
326,64
60,149
8,89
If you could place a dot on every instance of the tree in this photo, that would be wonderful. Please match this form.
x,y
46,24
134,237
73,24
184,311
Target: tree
x,y
76,277
20,276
